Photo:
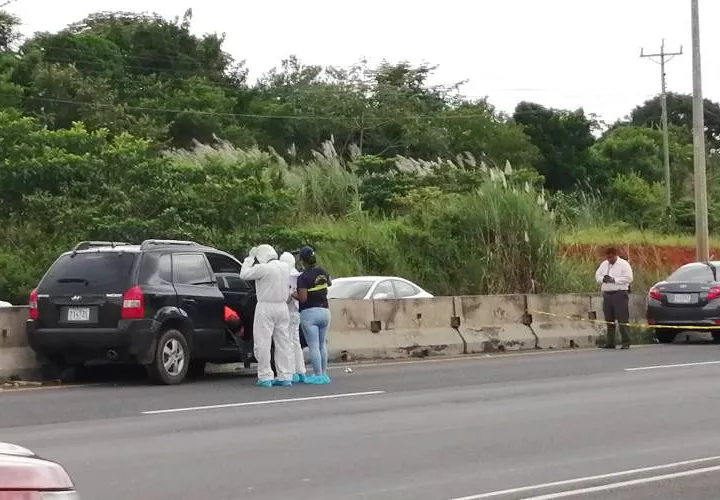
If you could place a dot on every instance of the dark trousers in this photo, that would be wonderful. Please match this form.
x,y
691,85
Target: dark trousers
x,y
616,307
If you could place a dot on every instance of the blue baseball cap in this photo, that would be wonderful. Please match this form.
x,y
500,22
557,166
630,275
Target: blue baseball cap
x,y
306,252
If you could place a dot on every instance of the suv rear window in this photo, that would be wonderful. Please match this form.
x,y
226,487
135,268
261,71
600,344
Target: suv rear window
x,y
92,272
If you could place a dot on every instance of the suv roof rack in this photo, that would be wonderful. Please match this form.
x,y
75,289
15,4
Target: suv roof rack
x,y
85,245
147,243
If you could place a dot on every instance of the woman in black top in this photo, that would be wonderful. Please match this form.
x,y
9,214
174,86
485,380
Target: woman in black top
x,y
312,287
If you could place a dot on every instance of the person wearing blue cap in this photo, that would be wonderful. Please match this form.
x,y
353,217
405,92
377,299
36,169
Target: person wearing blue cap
x,y
312,290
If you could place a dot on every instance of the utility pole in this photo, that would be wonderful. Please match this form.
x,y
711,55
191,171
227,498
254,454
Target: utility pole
x,y
701,203
664,58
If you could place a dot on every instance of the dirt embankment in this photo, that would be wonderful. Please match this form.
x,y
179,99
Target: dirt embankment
x,y
650,257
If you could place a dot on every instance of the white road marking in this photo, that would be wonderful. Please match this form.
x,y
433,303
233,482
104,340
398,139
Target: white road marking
x,y
590,478
678,365
625,484
259,403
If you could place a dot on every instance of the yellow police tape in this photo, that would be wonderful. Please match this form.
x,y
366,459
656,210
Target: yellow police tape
x,y
632,325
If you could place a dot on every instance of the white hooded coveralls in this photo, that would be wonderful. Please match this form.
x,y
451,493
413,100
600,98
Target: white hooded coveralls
x,y
294,311
271,313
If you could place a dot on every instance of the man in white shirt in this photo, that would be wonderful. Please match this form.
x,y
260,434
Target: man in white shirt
x,y
614,275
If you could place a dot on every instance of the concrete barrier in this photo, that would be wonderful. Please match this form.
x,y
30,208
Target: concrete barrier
x,y
493,323
392,329
396,329
16,358
350,336
566,326
420,327
638,303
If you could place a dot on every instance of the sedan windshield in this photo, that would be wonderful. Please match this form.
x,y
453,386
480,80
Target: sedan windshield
x,y
349,289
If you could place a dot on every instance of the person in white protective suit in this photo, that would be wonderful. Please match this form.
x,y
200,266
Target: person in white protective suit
x,y
271,314
294,311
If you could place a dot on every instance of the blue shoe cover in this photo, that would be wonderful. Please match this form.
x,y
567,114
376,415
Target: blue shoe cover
x,y
299,378
282,383
317,379
264,383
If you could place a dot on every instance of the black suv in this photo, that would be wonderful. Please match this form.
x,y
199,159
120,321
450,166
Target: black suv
x,y
159,304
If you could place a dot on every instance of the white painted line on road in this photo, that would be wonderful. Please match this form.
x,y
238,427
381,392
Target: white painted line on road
x,y
678,365
259,403
625,484
587,479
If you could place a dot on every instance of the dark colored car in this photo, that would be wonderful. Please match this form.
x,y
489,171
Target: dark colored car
x,y
24,475
690,296
158,304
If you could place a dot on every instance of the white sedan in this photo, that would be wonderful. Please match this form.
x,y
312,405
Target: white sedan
x,y
375,288
5,304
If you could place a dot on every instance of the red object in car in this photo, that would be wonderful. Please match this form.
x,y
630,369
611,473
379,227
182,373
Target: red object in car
x,y
25,476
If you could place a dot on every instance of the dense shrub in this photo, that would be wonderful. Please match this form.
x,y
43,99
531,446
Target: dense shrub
x,y
457,227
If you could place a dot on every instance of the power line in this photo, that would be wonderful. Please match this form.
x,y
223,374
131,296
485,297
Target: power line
x,y
664,57
354,119
317,88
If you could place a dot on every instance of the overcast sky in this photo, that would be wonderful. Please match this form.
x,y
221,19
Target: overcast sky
x,y
560,53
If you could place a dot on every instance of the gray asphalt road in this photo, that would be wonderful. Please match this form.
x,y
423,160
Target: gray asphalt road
x,y
428,430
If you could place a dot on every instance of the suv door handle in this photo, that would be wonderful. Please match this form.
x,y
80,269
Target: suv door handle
x,y
189,301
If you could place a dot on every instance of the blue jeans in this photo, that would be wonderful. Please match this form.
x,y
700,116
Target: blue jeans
x,y
315,322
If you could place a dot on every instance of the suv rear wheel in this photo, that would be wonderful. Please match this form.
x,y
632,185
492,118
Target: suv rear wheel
x,y
172,358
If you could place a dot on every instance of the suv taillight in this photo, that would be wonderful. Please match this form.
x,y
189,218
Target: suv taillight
x,y
133,306
34,304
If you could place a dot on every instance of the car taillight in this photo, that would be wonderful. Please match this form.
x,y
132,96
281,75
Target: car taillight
x,y
655,293
133,306
35,477
713,293
34,304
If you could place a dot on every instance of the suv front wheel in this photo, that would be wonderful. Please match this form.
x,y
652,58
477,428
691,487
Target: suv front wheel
x,y
172,358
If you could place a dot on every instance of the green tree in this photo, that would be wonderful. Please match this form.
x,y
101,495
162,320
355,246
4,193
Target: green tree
x,y
9,34
137,73
563,138
680,107
638,150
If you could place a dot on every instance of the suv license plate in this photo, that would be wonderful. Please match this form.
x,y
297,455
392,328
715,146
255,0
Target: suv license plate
x,y
682,298
78,314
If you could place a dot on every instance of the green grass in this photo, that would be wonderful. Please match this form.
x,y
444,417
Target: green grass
x,y
622,235
638,336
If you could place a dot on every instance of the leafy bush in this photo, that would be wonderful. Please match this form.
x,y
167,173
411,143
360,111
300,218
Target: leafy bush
x,y
637,201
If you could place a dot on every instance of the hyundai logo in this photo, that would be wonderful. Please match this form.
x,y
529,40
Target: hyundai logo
x,y
75,298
